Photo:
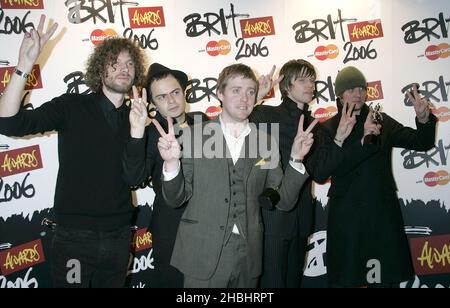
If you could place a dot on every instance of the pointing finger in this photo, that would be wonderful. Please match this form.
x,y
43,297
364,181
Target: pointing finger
x,y
170,123
144,95
311,126
272,72
300,125
135,94
278,80
159,128
350,110
41,24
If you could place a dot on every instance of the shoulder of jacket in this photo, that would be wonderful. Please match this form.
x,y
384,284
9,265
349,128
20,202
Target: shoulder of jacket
x,y
197,115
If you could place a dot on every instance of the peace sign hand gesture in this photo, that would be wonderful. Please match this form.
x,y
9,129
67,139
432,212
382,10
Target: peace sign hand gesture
x,y
266,83
168,146
303,140
421,105
32,44
346,123
138,113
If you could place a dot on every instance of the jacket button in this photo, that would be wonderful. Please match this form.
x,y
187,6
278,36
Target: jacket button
x,y
222,227
226,200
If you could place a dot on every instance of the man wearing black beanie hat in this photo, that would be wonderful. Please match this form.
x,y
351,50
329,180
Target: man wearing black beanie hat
x,y
366,242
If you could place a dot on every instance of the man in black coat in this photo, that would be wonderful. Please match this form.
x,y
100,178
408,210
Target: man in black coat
x,y
166,89
286,233
366,242
92,202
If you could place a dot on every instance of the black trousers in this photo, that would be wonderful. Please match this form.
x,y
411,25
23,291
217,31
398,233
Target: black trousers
x,y
166,276
85,258
283,262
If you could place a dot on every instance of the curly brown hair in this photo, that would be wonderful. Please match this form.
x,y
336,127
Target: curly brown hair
x,y
106,54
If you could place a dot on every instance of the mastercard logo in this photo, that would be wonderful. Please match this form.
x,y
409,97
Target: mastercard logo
x,y
213,112
434,52
222,47
442,113
98,36
326,52
432,179
324,114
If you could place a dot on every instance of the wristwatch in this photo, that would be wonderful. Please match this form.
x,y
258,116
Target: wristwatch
x,y
21,74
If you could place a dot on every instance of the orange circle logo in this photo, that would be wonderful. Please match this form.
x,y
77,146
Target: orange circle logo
x,y
432,179
442,113
326,52
222,47
98,36
213,112
434,52
324,114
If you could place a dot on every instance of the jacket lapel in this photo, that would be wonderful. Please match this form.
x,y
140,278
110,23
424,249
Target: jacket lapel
x,y
248,161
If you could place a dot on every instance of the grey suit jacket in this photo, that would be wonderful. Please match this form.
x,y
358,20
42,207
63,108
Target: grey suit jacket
x,y
204,184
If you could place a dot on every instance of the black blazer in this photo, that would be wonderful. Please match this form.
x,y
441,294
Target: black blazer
x,y
287,116
365,220
143,162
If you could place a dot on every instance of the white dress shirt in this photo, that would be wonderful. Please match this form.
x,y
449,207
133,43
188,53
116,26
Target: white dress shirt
x,y
234,145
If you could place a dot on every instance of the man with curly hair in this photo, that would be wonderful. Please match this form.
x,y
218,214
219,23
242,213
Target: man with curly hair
x,y
92,204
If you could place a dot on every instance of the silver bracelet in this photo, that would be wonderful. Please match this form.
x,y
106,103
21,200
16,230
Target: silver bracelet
x,y
295,160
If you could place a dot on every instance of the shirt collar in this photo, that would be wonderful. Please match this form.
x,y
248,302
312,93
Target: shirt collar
x,y
292,106
163,121
107,106
227,130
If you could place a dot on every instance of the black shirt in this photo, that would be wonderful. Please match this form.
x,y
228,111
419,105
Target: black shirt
x,y
287,116
114,116
90,191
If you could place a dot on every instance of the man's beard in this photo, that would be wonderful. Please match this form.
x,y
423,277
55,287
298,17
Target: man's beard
x,y
118,88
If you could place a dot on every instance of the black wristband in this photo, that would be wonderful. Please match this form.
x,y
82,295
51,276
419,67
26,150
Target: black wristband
x,y
21,74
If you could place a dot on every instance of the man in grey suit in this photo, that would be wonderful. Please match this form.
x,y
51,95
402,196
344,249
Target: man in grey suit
x,y
222,179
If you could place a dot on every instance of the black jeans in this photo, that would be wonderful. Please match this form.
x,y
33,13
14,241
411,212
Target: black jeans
x,y
85,258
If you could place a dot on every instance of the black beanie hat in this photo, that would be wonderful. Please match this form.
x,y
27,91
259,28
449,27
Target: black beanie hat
x,y
349,78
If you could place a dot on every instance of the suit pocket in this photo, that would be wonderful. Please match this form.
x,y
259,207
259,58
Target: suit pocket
x,y
189,221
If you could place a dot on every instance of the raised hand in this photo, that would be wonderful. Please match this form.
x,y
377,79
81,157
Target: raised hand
x,y
168,146
31,47
421,105
303,140
33,43
138,113
266,83
346,124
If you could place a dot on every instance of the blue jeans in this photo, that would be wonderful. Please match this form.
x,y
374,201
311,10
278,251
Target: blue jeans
x,y
85,258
